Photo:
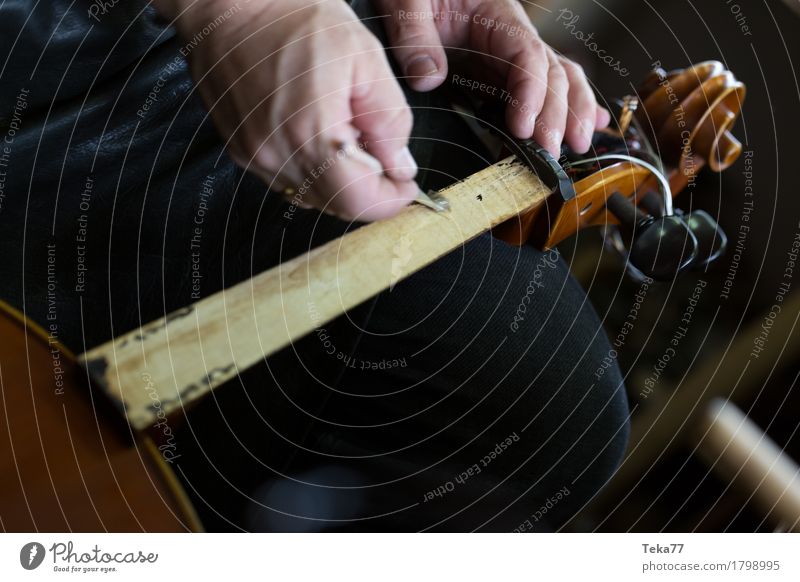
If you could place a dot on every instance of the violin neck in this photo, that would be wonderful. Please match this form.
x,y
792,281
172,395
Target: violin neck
x,y
164,365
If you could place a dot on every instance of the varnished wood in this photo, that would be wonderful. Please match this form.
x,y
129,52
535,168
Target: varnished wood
x,y
588,208
66,465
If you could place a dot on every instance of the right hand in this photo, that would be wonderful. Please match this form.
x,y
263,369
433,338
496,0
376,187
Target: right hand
x,y
292,83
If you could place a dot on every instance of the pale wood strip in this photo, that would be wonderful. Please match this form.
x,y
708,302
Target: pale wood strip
x,y
737,449
154,370
662,424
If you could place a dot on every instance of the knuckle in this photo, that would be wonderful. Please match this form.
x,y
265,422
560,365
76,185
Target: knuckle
x,y
410,32
573,68
538,48
400,120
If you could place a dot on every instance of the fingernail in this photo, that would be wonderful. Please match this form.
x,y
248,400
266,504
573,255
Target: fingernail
x,y
531,127
357,154
421,66
555,143
604,118
405,166
406,161
587,132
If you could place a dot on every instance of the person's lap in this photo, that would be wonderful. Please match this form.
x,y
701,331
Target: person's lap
x,y
441,375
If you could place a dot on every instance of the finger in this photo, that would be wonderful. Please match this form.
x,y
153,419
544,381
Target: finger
x,y
308,113
602,118
355,189
582,114
552,121
503,32
381,114
365,105
415,43
527,86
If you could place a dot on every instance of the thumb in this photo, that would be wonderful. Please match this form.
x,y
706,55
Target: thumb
x,y
415,42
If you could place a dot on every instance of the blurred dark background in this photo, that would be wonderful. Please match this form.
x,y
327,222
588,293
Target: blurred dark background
x,y
666,483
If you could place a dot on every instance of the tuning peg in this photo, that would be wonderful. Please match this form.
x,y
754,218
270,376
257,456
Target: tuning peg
x,y
660,247
651,202
711,239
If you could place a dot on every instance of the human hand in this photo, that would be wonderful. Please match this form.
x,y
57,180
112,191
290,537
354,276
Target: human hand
x,y
305,97
549,97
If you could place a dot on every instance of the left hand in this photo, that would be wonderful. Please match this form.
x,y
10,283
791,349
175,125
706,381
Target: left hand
x,y
548,95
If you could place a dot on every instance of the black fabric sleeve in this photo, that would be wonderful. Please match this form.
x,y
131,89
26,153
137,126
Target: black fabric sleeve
x,y
57,49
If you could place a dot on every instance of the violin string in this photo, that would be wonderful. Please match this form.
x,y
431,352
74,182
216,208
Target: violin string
x,y
648,145
666,192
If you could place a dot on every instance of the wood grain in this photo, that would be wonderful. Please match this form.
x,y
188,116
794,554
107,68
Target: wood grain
x,y
168,363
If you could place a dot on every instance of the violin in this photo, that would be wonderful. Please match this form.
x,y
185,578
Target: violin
x,y
678,123
85,446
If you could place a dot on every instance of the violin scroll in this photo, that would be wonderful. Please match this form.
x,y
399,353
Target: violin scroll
x,y
689,114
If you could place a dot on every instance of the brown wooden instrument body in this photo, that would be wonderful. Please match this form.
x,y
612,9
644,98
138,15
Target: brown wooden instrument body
x,y
68,460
